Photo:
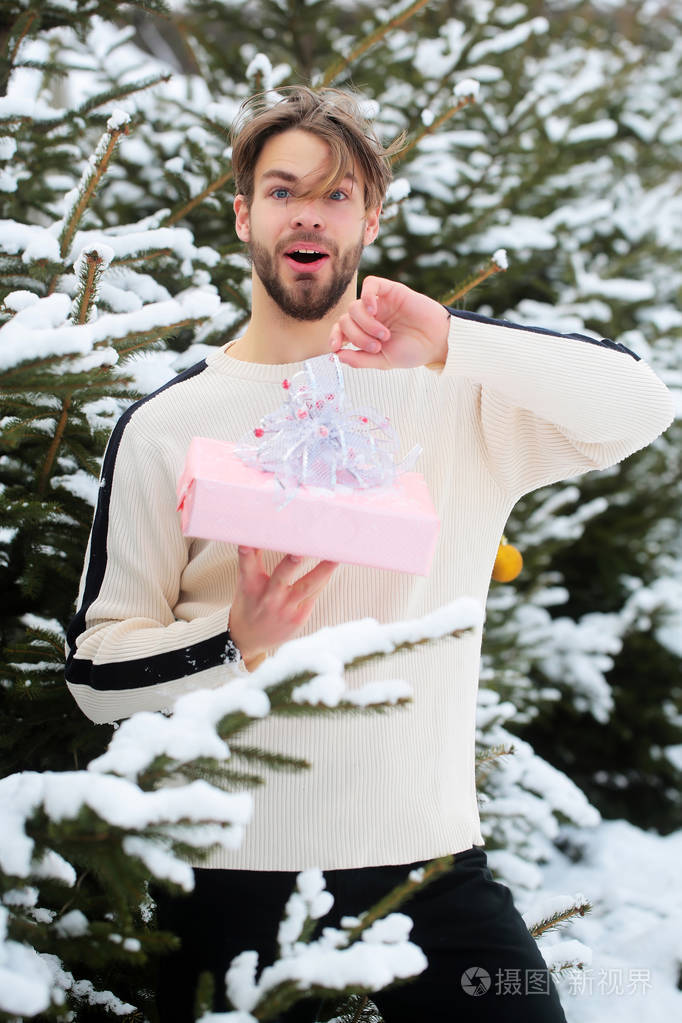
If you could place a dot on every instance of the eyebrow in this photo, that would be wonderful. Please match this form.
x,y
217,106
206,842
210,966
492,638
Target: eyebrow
x,y
288,176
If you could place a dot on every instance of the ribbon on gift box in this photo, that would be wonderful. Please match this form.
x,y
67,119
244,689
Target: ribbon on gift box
x,y
313,440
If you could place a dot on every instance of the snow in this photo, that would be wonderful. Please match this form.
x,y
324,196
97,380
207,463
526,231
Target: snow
x,y
330,648
432,57
8,147
606,128
63,795
54,866
72,925
33,242
260,65
127,243
631,878
551,907
398,190
468,87
309,901
34,621
189,731
8,183
329,962
83,990
18,300
118,119
330,690
566,953
43,328
15,108
622,288
185,735
102,251
508,40
160,863
500,258
25,979
522,233
391,930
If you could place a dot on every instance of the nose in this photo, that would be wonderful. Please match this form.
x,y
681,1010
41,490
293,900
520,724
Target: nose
x,y
307,215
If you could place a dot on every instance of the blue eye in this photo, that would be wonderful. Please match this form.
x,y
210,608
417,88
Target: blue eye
x,y
280,193
337,192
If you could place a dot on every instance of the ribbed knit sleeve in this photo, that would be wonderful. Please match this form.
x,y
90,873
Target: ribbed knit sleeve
x,y
550,405
126,650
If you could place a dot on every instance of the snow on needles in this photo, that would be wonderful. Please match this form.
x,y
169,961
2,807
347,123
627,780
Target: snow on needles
x,y
332,962
320,965
500,258
190,731
43,328
63,795
468,87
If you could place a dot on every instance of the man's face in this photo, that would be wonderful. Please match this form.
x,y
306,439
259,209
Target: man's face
x,y
305,251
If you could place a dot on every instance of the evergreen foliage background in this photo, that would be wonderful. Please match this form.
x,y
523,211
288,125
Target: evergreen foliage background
x,y
570,160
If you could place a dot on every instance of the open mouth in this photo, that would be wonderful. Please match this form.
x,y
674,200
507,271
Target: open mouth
x,y
305,257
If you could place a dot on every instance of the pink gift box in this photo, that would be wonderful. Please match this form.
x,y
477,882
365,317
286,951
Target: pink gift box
x,y
221,498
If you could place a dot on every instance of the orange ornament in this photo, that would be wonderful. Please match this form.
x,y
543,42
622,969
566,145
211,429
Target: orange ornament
x,y
508,562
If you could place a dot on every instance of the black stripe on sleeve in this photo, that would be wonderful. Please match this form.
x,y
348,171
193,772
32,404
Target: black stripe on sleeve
x,y
603,343
144,671
147,671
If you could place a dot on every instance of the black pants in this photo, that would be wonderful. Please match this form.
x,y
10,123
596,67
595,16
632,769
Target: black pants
x,y
483,962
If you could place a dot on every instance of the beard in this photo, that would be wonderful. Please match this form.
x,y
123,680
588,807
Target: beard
x,y
306,299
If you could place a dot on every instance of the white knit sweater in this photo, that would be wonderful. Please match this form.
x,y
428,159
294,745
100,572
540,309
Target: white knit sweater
x,y
512,409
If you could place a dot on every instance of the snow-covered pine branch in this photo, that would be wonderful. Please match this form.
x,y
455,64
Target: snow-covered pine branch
x,y
551,912
368,953
78,199
81,814
43,330
43,813
308,670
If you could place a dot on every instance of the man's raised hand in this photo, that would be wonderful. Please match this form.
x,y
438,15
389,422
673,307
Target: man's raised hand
x,y
267,610
393,326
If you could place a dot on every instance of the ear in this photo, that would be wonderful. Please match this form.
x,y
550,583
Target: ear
x,y
371,225
242,219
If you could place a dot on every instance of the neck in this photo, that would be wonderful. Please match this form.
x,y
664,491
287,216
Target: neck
x,y
273,338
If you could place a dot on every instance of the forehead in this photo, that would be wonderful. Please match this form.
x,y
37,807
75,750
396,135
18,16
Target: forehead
x,y
298,153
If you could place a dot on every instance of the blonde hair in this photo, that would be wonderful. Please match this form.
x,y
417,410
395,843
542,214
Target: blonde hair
x,y
335,116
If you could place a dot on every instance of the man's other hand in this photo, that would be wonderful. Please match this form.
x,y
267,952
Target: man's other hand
x,y
394,328
267,610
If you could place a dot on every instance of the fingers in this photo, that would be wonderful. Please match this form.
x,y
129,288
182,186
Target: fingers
x,y
358,328
362,360
250,564
281,583
361,325
285,570
310,584
268,610
373,289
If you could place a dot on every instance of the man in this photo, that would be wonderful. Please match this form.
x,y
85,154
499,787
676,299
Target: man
x,y
499,410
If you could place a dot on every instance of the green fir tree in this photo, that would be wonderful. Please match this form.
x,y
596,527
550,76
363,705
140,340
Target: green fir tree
x,y
117,238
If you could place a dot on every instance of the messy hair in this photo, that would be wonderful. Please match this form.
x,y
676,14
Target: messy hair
x,y
335,116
